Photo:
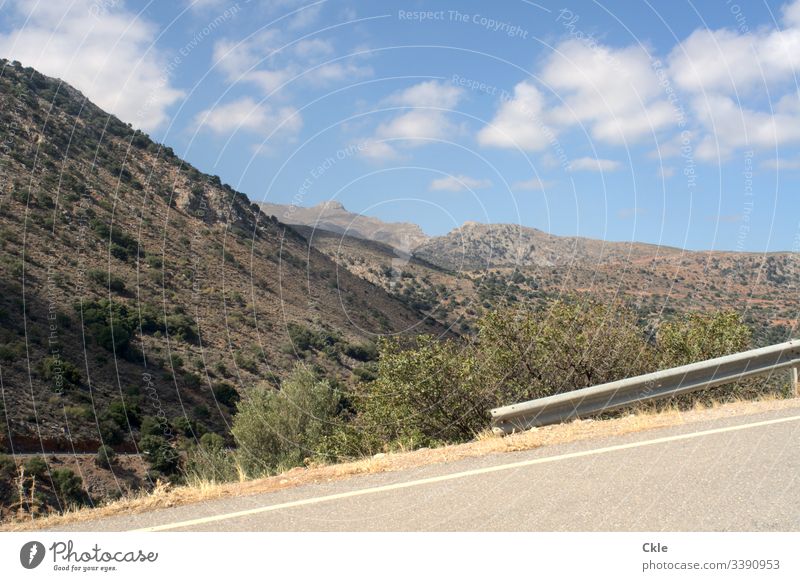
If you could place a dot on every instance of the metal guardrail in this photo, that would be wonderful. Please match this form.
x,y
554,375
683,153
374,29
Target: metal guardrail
x,y
666,383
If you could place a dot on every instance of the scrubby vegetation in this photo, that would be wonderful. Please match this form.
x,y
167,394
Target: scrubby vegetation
x,y
430,391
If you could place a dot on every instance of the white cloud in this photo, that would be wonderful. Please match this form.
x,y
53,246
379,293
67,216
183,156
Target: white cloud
x,y
533,184
730,75
269,60
108,53
615,91
377,150
594,164
730,126
728,62
417,125
781,164
519,122
428,94
427,119
458,183
666,172
246,114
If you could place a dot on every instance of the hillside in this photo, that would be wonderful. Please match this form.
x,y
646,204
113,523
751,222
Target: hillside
x,y
478,267
476,246
136,289
333,217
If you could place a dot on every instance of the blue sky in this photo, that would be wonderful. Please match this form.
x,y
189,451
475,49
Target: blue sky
x,y
676,123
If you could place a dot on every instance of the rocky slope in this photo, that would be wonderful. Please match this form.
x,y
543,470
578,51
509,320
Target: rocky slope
x,y
333,217
132,285
476,246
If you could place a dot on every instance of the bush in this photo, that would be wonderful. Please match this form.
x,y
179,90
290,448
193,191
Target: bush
x,y
183,327
570,345
161,456
8,473
426,395
303,339
105,457
125,414
109,323
701,336
275,430
36,467
226,394
210,462
184,426
8,468
61,372
363,352
68,486
107,280
152,426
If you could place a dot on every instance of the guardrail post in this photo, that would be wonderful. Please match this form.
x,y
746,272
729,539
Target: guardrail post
x,y
795,382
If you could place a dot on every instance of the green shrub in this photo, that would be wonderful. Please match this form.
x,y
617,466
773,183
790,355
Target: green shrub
x,y
528,354
701,336
226,394
8,468
109,323
10,352
245,362
184,426
363,352
68,487
125,414
303,339
152,426
182,326
275,430
210,461
105,457
429,394
8,473
160,455
36,467
107,280
62,373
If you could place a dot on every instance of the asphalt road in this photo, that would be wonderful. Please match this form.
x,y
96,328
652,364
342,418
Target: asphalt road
x,y
730,474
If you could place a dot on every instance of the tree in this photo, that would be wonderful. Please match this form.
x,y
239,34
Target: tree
x,y
431,393
36,467
210,461
105,457
161,456
701,336
569,345
226,394
68,486
278,429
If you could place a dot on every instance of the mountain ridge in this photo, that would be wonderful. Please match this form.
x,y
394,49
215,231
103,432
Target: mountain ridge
x,y
121,261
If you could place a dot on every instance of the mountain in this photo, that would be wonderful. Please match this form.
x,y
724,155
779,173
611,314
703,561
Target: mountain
x,y
133,286
478,267
333,217
476,246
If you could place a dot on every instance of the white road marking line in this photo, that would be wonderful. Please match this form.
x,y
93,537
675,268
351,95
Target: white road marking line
x,y
456,475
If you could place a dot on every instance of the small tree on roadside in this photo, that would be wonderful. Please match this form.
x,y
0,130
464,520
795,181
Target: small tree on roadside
x,y
105,457
430,393
278,429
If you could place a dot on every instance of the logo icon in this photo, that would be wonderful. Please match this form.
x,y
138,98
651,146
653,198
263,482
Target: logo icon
x,y
31,554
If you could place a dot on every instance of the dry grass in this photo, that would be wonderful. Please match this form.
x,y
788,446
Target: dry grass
x,y
164,496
